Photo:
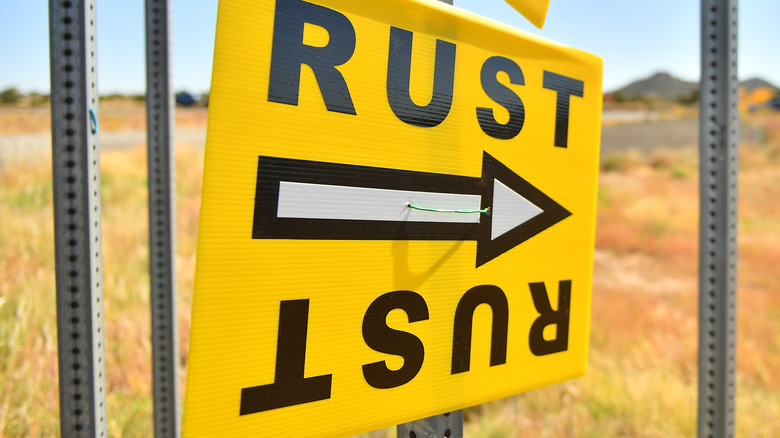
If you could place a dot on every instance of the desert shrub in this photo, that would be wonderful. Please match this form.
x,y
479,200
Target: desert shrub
x,y
10,96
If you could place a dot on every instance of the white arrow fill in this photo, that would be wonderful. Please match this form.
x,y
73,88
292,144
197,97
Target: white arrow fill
x,y
324,201
509,210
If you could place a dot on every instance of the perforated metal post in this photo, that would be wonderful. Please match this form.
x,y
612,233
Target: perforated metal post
x,y
162,269
719,147
77,239
449,425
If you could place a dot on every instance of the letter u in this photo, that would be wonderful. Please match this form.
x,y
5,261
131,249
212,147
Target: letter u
x,y
399,66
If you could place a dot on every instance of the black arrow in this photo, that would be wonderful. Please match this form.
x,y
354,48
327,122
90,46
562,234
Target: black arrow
x,y
314,200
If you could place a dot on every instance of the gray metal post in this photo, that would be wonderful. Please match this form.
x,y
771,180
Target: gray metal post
x,y
162,253
77,239
719,147
448,425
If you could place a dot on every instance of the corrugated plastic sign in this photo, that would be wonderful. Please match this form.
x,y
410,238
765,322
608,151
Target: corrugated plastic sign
x,y
397,221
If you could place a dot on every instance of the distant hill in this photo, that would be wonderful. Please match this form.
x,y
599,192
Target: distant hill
x,y
658,86
667,87
750,85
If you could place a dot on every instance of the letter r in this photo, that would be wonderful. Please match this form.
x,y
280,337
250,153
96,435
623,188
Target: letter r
x,y
289,53
547,316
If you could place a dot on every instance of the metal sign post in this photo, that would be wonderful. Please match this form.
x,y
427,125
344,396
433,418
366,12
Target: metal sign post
x,y
448,425
76,193
719,141
719,136
162,269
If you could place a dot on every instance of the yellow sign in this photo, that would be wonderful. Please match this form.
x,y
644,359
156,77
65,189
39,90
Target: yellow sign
x,y
398,217
534,10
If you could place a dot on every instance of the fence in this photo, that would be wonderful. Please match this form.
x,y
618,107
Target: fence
x,y
76,181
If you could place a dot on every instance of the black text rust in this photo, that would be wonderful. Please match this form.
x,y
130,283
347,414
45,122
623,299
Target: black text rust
x,y
291,387
289,54
380,337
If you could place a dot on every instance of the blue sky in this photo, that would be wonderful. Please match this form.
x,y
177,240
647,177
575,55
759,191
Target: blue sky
x,y
635,38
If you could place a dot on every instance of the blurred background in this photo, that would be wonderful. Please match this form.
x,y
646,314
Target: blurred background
x,y
642,374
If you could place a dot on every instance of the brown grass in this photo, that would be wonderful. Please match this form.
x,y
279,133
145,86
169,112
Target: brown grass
x,y
643,363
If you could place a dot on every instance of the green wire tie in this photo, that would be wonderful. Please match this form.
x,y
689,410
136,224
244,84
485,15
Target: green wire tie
x,y
439,210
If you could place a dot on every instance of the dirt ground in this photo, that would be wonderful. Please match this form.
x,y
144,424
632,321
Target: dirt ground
x,y
113,116
29,128
646,136
622,130
25,132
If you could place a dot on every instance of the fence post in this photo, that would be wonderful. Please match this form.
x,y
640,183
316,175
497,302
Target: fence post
x,y
77,238
718,155
162,249
449,425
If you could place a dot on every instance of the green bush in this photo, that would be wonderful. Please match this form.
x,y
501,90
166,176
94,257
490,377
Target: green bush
x,y
10,95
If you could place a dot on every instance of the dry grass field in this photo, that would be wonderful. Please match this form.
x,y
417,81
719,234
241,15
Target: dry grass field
x,y
642,375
